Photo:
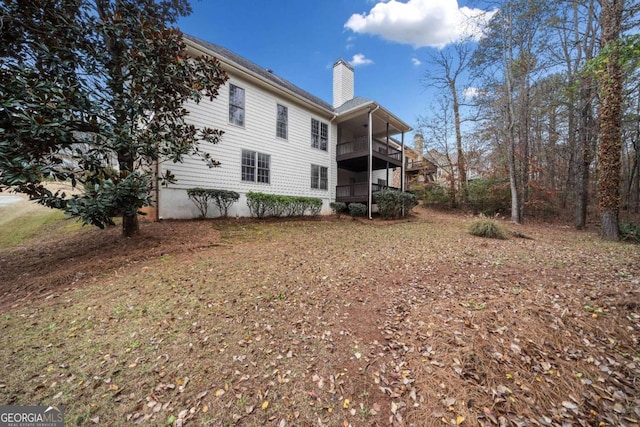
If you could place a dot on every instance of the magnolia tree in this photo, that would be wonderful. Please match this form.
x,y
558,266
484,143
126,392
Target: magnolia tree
x,y
93,93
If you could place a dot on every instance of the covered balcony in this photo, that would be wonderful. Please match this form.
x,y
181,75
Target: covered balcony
x,y
354,154
367,154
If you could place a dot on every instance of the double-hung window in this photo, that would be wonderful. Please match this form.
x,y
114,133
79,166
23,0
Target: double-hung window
x,y
282,121
236,105
319,134
256,166
319,177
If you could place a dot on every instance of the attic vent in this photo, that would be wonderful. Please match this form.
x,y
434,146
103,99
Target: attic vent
x,y
269,70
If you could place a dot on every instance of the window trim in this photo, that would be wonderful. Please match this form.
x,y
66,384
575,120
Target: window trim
x,y
252,171
317,180
286,121
317,141
243,107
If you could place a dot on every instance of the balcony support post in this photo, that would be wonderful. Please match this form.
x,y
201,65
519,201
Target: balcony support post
x,y
402,177
388,154
370,168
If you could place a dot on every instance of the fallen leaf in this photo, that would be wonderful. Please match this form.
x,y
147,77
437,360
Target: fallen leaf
x,y
265,405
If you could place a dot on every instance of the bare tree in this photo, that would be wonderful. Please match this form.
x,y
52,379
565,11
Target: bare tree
x,y
451,65
437,130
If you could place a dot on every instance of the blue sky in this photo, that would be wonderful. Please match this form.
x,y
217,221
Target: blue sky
x,y
386,41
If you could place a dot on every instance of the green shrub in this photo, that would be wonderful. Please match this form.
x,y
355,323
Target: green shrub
x,y
314,205
435,194
630,232
258,203
487,228
489,196
338,208
357,209
262,205
394,203
223,199
203,197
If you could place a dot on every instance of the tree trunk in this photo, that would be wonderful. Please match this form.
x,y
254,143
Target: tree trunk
x,y
610,121
585,156
513,185
610,226
462,164
130,226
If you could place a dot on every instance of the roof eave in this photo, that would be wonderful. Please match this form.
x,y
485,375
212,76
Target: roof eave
x,y
194,47
370,106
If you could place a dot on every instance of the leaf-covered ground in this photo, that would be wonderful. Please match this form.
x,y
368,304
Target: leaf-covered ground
x,y
325,323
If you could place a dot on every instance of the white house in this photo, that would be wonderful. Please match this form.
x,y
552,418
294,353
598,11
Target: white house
x,y
280,139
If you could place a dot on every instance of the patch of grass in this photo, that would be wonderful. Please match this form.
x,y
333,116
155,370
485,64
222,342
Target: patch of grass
x,y
487,228
24,221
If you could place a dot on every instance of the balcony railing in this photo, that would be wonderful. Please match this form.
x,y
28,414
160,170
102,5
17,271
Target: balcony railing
x,y
357,192
414,165
360,147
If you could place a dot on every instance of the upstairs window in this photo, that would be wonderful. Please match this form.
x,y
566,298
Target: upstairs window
x,y
236,105
319,177
319,134
282,121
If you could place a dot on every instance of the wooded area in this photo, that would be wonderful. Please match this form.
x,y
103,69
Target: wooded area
x,y
548,105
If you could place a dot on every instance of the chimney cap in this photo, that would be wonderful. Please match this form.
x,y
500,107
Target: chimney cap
x,y
343,61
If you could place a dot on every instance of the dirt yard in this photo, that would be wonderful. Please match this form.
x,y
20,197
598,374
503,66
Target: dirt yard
x,y
324,322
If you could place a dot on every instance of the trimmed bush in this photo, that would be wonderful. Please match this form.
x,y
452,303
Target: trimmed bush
x,y
223,199
203,197
338,208
262,205
357,209
391,203
487,228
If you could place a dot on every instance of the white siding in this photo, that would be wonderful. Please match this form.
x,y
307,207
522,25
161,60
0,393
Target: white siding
x,y
291,159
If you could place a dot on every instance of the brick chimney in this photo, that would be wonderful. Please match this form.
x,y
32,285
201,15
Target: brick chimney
x,y
342,82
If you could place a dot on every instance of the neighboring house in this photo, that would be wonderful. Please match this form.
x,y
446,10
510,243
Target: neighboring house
x,y
447,166
419,170
280,139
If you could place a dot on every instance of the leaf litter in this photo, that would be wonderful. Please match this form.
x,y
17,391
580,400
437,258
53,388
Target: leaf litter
x,y
326,323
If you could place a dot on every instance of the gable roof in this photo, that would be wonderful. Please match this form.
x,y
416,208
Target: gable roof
x,y
264,73
352,104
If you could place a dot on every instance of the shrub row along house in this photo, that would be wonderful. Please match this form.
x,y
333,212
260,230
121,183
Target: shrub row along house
x,y
280,139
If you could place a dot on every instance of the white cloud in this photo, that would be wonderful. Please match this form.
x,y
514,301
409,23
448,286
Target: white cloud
x,y
360,59
420,23
471,92
416,61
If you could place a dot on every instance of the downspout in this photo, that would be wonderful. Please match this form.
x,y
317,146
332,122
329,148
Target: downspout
x,y
157,190
335,181
370,205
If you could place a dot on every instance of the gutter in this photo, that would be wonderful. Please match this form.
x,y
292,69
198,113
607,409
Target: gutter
x,y
262,81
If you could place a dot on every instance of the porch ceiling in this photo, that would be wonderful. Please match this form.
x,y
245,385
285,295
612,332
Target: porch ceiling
x,y
358,122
